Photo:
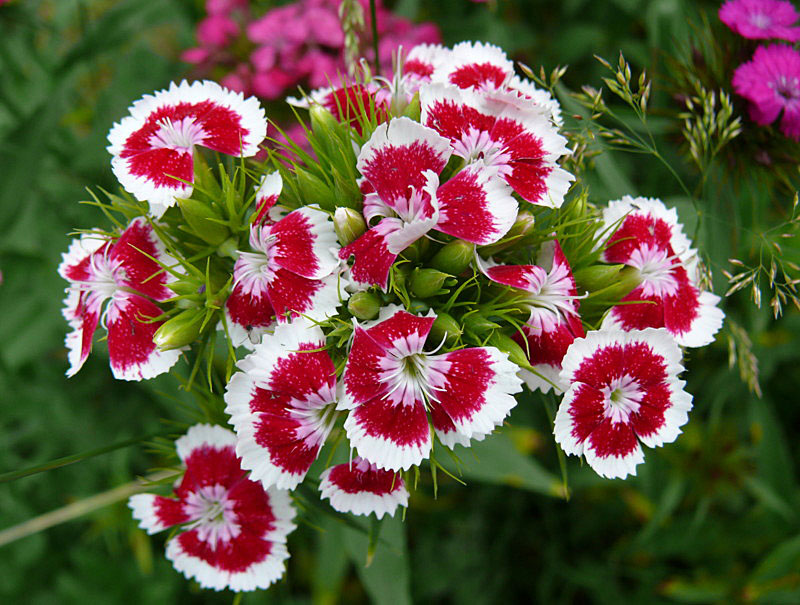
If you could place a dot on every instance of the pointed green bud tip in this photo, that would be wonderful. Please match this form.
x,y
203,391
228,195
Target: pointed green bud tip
x,y
322,120
314,190
509,346
454,257
427,282
203,221
597,277
445,327
349,225
478,325
364,305
180,331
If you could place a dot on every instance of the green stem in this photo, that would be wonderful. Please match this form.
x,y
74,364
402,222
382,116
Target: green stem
x,y
66,460
374,17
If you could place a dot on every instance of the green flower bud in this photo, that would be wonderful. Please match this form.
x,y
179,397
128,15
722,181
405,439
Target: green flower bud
x,y
454,257
596,277
181,330
478,326
349,225
625,282
522,227
417,251
323,124
445,327
202,221
507,345
314,190
364,305
346,188
428,282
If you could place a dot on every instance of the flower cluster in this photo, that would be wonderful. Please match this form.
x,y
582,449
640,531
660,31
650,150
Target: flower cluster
x,y
301,43
770,81
394,290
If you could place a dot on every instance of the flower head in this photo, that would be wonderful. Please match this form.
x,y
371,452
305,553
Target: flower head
x,y
233,532
391,382
153,147
116,284
761,19
770,81
361,488
624,390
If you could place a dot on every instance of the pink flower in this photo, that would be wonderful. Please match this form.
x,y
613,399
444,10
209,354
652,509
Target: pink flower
x,y
391,383
649,238
771,82
282,404
401,163
624,389
115,284
761,19
554,321
289,272
233,531
361,488
153,147
216,31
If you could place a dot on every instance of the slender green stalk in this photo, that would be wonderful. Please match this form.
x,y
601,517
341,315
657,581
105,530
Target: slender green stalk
x,y
66,460
78,509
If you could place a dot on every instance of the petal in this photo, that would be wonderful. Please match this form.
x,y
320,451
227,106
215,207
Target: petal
x,y
475,65
362,489
545,347
305,243
636,315
84,323
613,450
373,260
580,412
157,176
276,401
156,513
476,205
397,155
692,317
135,251
202,436
248,317
391,436
477,388
525,277
133,354
76,263
292,296
267,193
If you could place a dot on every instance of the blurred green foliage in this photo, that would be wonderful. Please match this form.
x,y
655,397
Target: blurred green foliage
x,y
712,518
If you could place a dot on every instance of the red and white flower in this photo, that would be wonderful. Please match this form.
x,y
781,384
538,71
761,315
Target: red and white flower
x,y
649,238
233,532
347,102
475,65
421,63
624,391
153,147
291,271
282,404
391,382
401,163
116,284
361,488
501,131
268,191
554,322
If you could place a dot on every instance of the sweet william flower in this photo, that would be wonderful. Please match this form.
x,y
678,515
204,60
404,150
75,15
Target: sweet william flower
x,y
232,530
770,81
361,488
761,19
624,391
116,284
391,384
153,147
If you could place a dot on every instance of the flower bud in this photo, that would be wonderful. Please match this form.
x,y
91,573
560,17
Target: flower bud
x,y
181,330
364,305
323,124
626,280
349,225
477,325
417,251
523,226
454,257
596,277
428,282
203,221
445,327
314,190
507,345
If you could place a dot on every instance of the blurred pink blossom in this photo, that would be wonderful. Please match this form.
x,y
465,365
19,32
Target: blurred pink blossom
x,y
761,19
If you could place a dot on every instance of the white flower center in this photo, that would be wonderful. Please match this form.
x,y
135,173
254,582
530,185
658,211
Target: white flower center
x,y
788,89
760,20
550,299
478,145
412,374
212,514
622,398
317,415
255,270
656,270
179,134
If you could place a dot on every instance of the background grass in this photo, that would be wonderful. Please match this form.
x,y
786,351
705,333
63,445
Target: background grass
x,y
712,518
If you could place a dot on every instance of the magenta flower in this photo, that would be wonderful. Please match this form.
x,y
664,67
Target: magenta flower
x,y
361,488
282,404
761,19
770,81
623,390
116,284
649,238
153,147
391,383
233,531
